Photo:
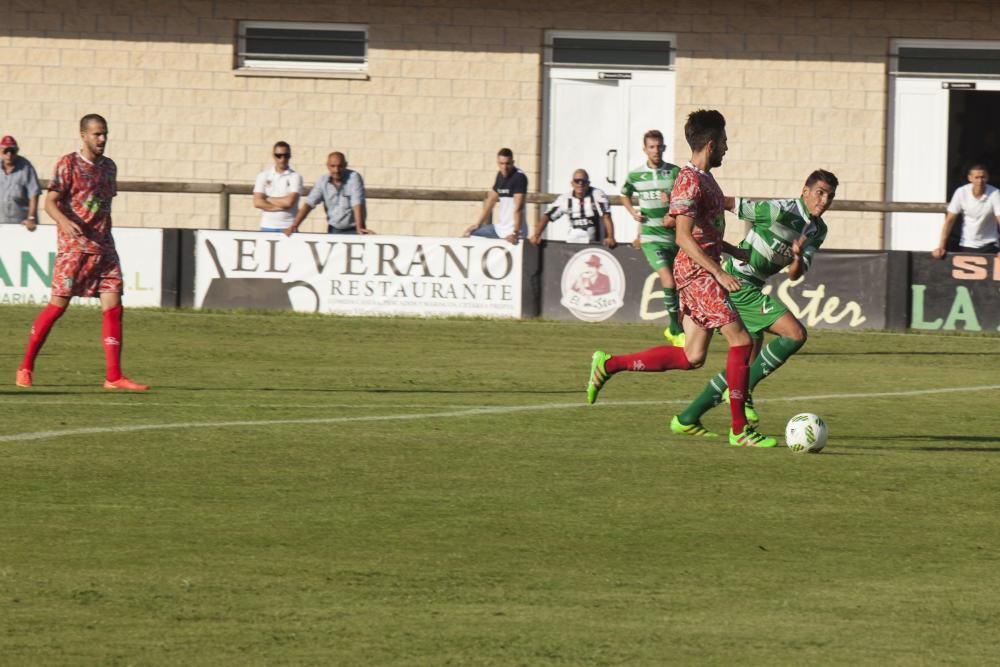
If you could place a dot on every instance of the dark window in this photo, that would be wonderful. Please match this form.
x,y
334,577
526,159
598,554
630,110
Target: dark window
x,y
948,61
302,46
621,52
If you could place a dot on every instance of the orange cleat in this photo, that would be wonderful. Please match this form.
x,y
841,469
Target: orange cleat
x,y
125,384
23,378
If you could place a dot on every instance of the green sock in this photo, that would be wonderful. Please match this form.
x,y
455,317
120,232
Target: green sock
x,y
710,396
670,301
772,356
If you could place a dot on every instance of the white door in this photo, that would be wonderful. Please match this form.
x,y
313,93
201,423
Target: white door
x,y
595,117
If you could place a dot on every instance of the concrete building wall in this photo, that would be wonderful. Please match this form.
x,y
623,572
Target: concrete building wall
x,y
803,84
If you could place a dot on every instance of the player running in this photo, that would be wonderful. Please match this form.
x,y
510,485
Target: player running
x,y
653,180
784,233
79,201
697,205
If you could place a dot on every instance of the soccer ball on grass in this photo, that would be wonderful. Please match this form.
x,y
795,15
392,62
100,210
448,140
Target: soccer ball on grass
x,y
806,432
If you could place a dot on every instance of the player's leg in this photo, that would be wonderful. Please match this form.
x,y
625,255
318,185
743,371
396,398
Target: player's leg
x,y
674,331
791,337
110,291
737,377
654,360
65,270
660,257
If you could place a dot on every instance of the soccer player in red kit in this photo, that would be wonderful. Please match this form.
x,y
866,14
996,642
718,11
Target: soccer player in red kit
x,y
79,200
697,206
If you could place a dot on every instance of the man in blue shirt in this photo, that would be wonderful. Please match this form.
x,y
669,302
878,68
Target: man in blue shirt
x,y
342,192
19,188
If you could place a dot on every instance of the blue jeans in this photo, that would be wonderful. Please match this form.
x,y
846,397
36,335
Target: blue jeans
x,y
490,231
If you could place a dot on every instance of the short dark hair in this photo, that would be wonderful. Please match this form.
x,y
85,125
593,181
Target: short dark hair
x,y
282,144
822,175
505,152
652,134
92,118
977,166
703,126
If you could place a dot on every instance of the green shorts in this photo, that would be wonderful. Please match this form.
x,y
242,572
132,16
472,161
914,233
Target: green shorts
x,y
660,255
757,310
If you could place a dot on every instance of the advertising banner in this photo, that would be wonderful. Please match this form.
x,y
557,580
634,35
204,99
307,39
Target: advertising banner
x,y
358,275
27,260
957,293
593,284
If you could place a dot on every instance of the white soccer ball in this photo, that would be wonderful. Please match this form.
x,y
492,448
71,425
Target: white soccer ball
x,y
806,432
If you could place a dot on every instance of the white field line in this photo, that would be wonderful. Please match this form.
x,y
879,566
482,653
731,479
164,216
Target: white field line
x,y
466,412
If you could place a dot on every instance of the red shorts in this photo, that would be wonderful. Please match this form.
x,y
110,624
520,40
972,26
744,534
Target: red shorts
x,y
707,303
79,274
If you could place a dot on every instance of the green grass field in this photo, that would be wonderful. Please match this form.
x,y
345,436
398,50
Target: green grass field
x,y
346,491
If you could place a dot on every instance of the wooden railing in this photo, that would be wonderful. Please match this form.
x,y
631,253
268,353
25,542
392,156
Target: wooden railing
x,y
225,190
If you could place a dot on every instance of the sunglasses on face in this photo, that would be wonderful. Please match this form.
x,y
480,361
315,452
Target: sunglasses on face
x,y
12,151
581,181
282,156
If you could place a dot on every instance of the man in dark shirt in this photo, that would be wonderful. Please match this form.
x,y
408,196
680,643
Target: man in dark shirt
x,y
509,189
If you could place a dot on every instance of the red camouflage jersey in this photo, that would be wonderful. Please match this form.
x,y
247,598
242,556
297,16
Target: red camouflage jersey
x,y
85,191
697,196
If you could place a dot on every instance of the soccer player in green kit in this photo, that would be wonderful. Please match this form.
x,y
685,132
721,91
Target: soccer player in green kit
x,y
783,233
652,181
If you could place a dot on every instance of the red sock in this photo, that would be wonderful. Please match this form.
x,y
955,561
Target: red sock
x,y
653,360
39,332
111,336
737,376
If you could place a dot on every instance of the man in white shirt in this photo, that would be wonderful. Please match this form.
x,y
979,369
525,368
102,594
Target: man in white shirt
x,y
979,204
277,191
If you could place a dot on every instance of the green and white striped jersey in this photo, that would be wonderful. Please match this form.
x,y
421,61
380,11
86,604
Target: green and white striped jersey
x,y
648,182
776,224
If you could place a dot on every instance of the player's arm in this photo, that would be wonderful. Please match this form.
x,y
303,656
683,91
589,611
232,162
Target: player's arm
x,y
627,203
797,268
491,199
949,222
65,224
686,242
736,252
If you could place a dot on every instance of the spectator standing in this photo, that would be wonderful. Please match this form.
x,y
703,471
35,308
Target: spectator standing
x,y
586,206
510,189
342,192
979,204
79,200
277,191
19,187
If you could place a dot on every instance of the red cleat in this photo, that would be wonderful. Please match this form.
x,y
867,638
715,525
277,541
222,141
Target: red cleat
x,y
23,378
125,384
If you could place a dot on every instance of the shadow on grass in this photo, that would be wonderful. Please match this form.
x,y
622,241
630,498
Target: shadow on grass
x,y
885,353
972,439
375,390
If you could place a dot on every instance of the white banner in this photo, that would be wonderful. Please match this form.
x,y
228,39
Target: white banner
x,y
27,260
358,275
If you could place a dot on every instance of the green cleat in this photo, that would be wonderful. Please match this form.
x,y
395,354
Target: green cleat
x,y
696,429
751,438
675,339
598,376
752,417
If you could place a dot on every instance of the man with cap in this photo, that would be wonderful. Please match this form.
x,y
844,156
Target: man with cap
x,y
19,187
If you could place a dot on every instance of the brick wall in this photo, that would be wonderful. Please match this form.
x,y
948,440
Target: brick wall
x,y
803,84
